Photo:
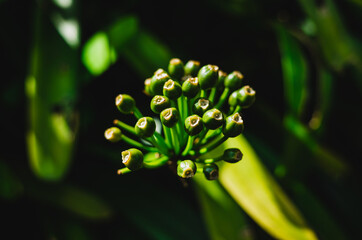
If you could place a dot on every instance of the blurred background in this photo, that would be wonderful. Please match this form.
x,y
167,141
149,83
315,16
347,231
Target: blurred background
x,y
64,61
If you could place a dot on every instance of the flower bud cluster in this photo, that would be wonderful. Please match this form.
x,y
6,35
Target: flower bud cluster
x,y
199,108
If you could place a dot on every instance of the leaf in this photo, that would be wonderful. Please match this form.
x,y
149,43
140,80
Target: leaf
x,y
51,89
295,71
255,190
324,101
224,218
72,199
97,54
146,54
101,50
338,46
328,161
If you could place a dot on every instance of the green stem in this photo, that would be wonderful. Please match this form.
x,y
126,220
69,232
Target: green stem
x,y
123,171
186,107
160,144
175,140
157,163
137,113
136,144
190,143
211,147
168,137
203,93
210,135
237,109
180,107
223,98
209,160
212,94
125,126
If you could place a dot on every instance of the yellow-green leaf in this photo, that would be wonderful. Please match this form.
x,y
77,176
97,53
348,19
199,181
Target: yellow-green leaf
x,y
255,190
223,217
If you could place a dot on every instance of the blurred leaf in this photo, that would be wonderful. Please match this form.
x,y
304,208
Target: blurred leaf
x,y
357,2
97,54
324,100
125,38
147,54
51,88
224,218
295,72
328,161
160,212
72,199
322,221
122,31
255,190
325,226
82,203
335,42
10,184
100,51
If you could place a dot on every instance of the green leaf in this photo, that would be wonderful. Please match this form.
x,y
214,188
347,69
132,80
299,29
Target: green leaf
x,y
295,71
324,101
255,190
101,50
146,54
329,162
72,199
223,217
51,89
97,54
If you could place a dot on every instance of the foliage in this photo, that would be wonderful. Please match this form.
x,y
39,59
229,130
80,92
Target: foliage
x,y
64,62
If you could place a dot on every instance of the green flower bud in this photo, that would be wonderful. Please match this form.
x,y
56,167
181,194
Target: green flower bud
x,y
208,76
193,125
157,82
211,171
125,103
172,89
192,68
169,117
233,80
145,127
191,87
234,125
246,96
201,105
147,89
159,71
221,78
159,103
213,119
233,98
186,169
113,134
132,158
176,68
232,155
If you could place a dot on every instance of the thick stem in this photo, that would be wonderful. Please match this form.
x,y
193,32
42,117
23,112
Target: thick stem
x,y
190,143
157,163
124,126
137,113
223,98
211,147
123,171
136,144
